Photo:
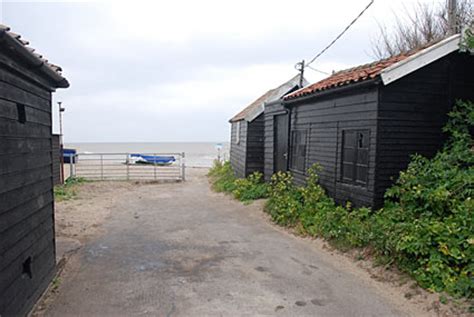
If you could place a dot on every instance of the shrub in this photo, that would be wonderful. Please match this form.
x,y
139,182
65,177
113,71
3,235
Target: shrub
x,y
247,189
285,199
427,223
222,177
251,188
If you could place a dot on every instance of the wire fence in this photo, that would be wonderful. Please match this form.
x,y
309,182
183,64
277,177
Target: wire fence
x,y
127,166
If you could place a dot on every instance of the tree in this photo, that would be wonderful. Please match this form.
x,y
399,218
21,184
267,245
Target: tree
x,y
420,26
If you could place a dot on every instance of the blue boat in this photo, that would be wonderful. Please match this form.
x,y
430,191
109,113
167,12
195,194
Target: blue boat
x,y
153,159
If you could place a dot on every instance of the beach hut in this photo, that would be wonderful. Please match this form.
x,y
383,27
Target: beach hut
x,y
247,131
363,124
27,243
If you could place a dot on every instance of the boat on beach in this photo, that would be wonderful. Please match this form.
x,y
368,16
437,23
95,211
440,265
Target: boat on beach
x,y
150,159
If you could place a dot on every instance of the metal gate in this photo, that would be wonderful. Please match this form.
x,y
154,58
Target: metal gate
x,y
121,166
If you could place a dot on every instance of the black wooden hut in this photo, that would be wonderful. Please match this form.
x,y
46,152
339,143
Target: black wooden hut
x,y
247,131
363,124
27,243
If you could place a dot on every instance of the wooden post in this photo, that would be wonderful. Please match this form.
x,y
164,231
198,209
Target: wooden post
x,y
452,17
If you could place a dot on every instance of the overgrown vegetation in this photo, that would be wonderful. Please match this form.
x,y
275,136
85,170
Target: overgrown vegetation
x,y
68,190
247,189
426,226
420,25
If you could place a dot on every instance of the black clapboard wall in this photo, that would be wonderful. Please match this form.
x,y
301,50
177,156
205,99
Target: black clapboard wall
x,y
398,120
413,111
27,243
246,150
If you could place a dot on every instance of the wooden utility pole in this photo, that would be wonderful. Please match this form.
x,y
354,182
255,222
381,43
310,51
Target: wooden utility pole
x,y
302,66
452,17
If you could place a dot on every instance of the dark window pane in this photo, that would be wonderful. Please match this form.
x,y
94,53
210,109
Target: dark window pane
x,y
361,174
21,113
348,155
363,139
298,150
348,171
349,138
363,157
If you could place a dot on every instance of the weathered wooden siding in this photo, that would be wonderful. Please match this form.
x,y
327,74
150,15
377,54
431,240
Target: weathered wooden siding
x,y
56,153
247,156
255,144
413,111
26,194
270,111
238,152
325,118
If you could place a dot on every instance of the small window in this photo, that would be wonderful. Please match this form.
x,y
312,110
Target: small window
x,y
21,113
298,150
355,156
26,268
237,132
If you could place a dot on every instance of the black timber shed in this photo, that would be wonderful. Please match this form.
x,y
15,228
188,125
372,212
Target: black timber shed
x,y
247,130
363,124
27,241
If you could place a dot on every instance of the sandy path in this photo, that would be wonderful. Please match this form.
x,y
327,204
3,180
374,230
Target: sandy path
x,y
181,250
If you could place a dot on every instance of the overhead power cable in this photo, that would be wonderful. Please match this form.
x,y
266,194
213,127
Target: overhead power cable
x,y
340,34
317,70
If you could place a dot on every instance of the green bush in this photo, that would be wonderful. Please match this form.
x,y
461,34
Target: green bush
x,y
251,188
427,223
314,212
284,204
247,189
222,177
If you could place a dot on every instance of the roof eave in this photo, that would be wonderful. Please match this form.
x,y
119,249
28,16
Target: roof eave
x,y
420,59
58,80
321,93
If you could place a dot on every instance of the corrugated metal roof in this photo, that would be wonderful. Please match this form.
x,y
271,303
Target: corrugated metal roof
x,y
31,51
260,100
271,95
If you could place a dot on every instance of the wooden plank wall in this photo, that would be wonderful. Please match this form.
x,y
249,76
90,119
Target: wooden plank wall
x,y
26,194
56,159
270,111
255,145
325,119
413,111
238,152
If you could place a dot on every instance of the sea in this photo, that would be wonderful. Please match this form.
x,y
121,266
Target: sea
x,y
197,154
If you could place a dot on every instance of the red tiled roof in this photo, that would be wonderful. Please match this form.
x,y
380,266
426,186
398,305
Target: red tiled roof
x,y
242,114
351,75
54,68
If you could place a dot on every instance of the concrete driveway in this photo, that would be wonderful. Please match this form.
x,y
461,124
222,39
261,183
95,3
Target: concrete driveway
x,y
182,250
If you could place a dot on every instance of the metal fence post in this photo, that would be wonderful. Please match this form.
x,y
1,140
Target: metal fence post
x,y
101,167
127,163
154,168
72,159
183,167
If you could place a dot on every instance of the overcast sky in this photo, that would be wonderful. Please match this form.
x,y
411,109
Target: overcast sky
x,y
146,71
